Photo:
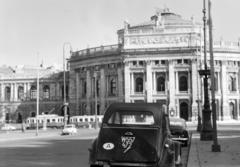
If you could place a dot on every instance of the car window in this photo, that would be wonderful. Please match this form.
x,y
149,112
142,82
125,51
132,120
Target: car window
x,y
131,118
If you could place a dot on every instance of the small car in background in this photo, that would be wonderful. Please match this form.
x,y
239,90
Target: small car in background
x,y
8,127
179,132
69,129
134,135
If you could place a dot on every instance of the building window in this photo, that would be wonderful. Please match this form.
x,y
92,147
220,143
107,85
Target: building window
x,y
179,61
156,62
232,83
139,85
113,87
185,61
7,93
84,88
33,92
163,62
134,63
98,87
183,83
161,84
46,92
141,63
66,92
20,93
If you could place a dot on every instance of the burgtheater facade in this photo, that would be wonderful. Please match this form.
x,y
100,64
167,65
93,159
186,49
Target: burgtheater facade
x,y
155,61
19,92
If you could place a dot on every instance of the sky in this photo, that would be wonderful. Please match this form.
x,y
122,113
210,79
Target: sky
x,y
35,31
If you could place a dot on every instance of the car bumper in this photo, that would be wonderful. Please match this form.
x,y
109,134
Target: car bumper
x,y
108,164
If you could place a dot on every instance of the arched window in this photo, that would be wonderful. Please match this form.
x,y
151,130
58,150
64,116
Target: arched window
x,y
161,84
46,92
33,92
113,88
183,83
139,85
7,93
232,83
20,93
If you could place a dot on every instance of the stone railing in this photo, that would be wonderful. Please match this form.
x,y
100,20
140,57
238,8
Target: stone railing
x,y
109,49
226,45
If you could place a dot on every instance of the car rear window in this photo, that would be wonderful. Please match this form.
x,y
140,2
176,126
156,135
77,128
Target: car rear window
x,y
131,118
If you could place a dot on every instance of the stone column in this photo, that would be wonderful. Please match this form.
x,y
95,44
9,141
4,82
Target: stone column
x,y
225,104
132,82
149,81
102,90
12,92
77,93
177,82
194,88
120,83
89,88
127,81
15,92
2,92
171,86
154,82
237,107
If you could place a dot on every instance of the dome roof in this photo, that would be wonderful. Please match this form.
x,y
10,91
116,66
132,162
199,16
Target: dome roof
x,y
167,18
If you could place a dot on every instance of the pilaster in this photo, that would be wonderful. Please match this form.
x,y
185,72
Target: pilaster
x,y
194,88
11,92
77,93
127,81
2,92
224,77
15,92
120,83
171,86
89,86
102,90
149,81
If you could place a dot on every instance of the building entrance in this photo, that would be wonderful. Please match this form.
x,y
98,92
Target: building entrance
x,y
184,110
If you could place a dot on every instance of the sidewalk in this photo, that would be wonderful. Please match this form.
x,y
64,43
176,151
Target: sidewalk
x,y
200,154
31,134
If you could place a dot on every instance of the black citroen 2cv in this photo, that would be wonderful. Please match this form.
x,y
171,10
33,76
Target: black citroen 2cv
x,y
135,134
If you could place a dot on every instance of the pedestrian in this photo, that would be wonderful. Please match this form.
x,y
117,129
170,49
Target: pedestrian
x,y
23,126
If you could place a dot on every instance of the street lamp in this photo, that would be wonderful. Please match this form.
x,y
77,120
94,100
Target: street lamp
x,y
206,131
215,147
64,83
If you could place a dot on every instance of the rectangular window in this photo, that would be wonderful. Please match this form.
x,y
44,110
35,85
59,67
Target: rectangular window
x,y
131,118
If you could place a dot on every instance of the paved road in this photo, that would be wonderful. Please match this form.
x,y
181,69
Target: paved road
x,y
58,151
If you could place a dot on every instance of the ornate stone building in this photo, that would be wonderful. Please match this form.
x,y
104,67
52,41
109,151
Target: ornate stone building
x,y
155,61
19,92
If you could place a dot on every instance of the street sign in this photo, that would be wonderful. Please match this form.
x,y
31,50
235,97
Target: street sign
x,y
204,72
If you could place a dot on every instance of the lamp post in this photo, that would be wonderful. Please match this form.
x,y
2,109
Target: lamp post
x,y
64,84
215,147
206,131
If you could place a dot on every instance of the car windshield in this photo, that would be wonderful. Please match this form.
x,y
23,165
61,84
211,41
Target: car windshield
x,y
131,118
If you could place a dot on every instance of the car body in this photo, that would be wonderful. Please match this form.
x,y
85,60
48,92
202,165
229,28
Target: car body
x,y
69,129
178,128
8,127
134,134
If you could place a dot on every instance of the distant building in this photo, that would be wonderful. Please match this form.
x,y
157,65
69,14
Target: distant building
x,y
18,92
155,61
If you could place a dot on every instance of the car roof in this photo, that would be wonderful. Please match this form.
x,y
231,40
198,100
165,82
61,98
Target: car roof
x,y
155,108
